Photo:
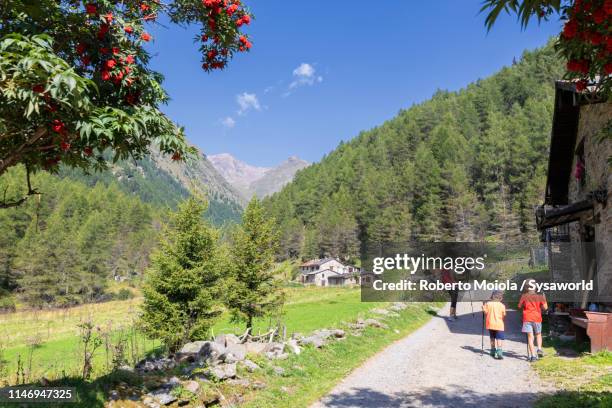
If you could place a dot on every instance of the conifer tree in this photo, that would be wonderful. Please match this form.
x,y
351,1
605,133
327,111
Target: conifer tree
x,y
183,286
254,291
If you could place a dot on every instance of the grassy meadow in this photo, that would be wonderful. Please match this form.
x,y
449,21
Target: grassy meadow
x,y
47,342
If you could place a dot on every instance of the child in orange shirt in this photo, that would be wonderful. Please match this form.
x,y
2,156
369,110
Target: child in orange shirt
x,y
495,311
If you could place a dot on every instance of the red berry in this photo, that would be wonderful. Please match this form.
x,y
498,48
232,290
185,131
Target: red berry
x,y
88,151
581,85
144,7
80,48
145,36
128,29
105,75
110,63
91,8
599,16
57,125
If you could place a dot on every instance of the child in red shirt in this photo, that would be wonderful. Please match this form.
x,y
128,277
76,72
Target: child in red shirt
x,y
532,304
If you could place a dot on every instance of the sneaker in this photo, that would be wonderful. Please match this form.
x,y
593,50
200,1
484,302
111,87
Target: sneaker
x,y
533,359
492,353
500,354
540,353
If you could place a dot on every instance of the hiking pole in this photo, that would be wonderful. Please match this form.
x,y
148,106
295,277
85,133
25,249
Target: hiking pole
x,y
482,334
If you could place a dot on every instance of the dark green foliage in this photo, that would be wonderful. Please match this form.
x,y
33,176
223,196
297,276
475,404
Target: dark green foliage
x,y
62,247
254,291
156,187
182,290
466,165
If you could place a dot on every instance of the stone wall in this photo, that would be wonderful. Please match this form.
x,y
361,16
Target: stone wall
x,y
593,119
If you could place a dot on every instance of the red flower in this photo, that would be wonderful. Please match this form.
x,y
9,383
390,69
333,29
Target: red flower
x,y
570,29
118,77
211,54
129,59
596,38
110,63
38,88
65,146
80,48
128,29
232,9
599,16
578,66
102,31
116,50
88,151
608,68
91,8
105,75
57,125
109,17
145,36
581,85
204,37
243,39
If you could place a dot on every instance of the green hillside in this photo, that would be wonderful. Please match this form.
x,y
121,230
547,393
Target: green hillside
x,y
463,165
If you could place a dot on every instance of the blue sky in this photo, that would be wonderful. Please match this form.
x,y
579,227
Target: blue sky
x,y
320,72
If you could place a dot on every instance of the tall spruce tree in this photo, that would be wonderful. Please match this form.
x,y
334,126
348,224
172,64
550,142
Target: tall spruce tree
x,y
255,291
183,288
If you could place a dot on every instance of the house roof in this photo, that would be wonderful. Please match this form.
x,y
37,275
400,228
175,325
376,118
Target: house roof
x,y
318,262
323,270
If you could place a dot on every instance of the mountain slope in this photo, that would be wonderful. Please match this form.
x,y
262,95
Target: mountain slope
x,y
238,173
250,180
276,178
464,165
162,182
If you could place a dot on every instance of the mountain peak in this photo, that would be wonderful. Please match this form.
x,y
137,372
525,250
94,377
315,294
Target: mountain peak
x,y
250,180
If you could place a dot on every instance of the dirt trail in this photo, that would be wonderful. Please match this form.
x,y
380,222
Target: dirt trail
x,y
441,365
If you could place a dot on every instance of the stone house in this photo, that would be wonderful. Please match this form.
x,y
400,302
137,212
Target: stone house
x,y
576,218
328,272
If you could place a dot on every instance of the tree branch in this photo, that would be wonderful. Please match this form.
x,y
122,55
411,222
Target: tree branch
x,y
17,203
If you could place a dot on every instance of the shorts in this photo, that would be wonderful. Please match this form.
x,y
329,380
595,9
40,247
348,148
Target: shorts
x,y
532,327
497,334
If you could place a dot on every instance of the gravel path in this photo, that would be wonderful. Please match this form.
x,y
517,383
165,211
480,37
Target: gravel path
x,y
441,365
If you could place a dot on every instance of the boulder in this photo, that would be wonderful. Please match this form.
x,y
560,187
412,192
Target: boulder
x,y
314,340
278,370
255,347
234,352
221,372
163,396
375,323
398,306
250,365
191,386
208,351
227,339
240,382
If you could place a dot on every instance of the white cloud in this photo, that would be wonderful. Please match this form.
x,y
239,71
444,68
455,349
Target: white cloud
x,y
228,122
304,74
246,102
